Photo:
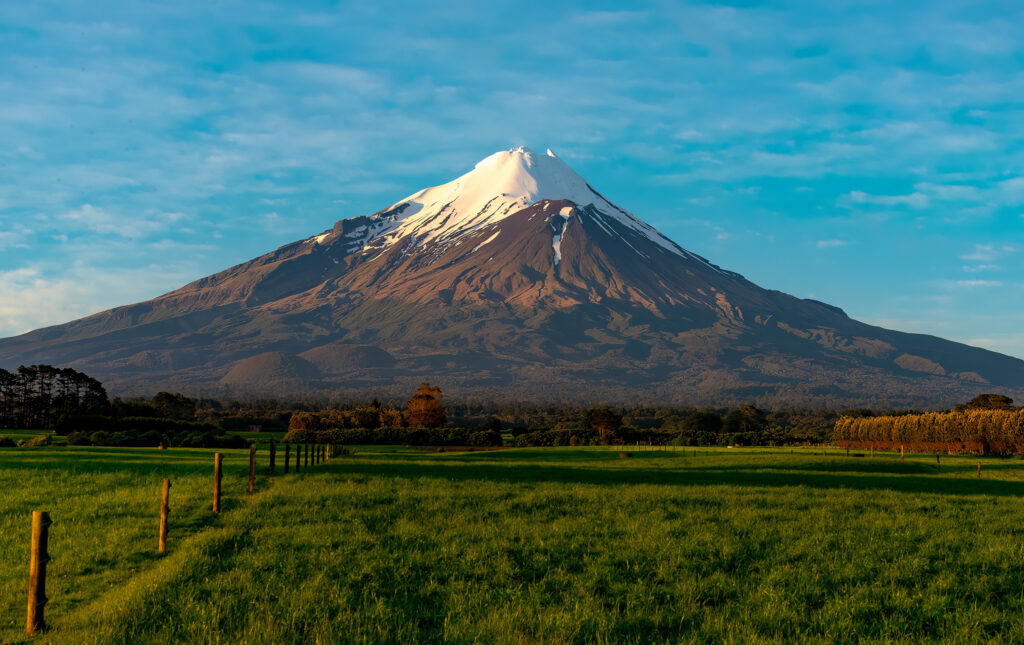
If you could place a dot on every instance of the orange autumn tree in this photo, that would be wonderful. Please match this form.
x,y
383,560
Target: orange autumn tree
x,y
425,409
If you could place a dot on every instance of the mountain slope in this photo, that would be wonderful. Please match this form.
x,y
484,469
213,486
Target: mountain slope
x,y
515,280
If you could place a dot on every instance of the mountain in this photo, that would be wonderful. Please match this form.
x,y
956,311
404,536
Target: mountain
x,y
518,280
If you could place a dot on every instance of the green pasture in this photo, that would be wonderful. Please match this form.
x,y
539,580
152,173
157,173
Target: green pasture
x,y
554,545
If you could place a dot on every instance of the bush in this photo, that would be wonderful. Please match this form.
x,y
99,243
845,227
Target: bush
x,y
485,438
39,440
79,439
7,442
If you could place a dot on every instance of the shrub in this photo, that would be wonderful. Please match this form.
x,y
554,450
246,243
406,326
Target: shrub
x,y
79,439
485,438
7,442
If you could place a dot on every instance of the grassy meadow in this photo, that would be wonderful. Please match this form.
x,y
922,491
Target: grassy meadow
x,y
555,545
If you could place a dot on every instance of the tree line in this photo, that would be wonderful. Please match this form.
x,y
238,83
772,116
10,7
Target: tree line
x,y
989,424
39,396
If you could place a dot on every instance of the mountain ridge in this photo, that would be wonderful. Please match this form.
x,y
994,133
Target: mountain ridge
x,y
497,284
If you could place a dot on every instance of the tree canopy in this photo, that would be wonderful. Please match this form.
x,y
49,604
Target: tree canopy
x,y
37,396
425,409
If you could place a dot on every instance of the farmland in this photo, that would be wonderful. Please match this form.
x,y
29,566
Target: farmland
x,y
553,544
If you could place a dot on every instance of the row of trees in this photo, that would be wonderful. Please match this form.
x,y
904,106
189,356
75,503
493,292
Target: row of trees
x,y
424,410
987,425
38,396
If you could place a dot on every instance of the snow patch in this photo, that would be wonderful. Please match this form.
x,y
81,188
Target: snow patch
x,y
487,241
320,238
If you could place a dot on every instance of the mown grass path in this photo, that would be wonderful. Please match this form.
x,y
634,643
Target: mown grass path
x,y
522,546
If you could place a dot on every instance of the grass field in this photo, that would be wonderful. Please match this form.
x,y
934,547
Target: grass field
x,y
520,546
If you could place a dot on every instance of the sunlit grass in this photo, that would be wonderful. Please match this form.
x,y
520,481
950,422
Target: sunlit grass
x,y
554,545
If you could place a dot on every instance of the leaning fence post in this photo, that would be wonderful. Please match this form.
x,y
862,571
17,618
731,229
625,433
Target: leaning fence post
x,y
165,509
217,461
37,572
287,456
273,454
252,467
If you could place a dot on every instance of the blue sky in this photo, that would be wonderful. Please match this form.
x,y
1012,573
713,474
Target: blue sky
x,y
866,154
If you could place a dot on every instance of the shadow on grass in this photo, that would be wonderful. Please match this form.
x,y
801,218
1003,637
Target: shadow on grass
x,y
911,479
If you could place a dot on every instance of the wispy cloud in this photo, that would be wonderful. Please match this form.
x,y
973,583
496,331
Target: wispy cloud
x,y
913,200
978,283
830,244
988,252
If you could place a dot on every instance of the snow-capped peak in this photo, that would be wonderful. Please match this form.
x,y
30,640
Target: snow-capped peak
x,y
500,185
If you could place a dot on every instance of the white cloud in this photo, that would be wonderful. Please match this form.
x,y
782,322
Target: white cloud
x,y
978,283
988,252
978,268
31,298
913,200
104,222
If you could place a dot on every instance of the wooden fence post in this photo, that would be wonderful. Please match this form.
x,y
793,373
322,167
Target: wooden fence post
x,y
901,453
298,458
287,456
938,467
307,456
217,461
872,450
273,454
165,509
37,572
979,470
847,451
252,467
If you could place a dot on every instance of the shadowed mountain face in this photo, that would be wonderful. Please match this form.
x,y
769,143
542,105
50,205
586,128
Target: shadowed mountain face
x,y
515,281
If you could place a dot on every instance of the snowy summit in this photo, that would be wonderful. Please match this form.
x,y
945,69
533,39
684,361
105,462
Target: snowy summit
x,y
498,186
